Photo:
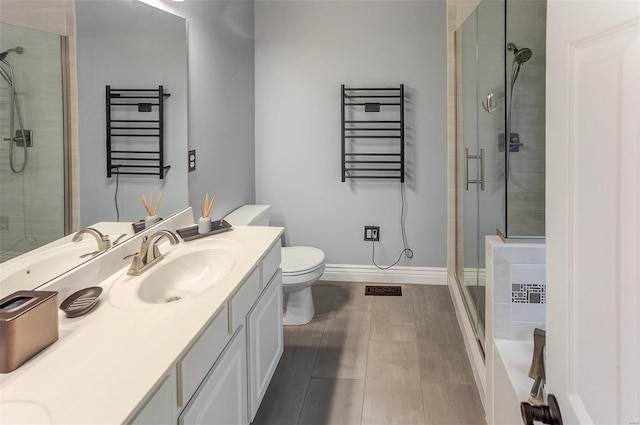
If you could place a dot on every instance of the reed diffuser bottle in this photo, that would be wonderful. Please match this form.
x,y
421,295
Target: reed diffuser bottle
x,y
204,222
152,213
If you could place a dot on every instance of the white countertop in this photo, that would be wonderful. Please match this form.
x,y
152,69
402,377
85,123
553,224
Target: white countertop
x,y
105,363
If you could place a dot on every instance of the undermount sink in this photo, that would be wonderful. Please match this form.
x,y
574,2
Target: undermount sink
x,y
185,270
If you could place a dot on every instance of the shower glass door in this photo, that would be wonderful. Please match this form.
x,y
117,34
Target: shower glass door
x,y
32,202
481,171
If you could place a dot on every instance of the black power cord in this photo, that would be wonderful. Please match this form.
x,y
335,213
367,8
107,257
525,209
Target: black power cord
x,y
115,196
408,252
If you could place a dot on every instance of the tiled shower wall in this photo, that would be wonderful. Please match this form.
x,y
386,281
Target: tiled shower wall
x,y
38,92
526,27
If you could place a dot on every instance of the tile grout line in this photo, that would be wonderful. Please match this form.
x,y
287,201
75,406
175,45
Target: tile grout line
x,y
424,407
315,359
366,365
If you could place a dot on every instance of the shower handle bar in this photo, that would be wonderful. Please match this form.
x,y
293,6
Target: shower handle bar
x,y
480,157
490,106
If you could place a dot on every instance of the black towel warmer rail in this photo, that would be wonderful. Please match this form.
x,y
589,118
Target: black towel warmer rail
x,y
135,144
372,148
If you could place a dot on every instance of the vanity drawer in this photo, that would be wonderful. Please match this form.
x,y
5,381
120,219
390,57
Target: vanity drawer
x,y
195,365
243,300
270,263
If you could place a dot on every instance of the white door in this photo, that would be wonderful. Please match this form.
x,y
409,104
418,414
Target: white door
x,y
593,210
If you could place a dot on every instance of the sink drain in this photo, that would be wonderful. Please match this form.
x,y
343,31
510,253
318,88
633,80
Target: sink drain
x,y
172,299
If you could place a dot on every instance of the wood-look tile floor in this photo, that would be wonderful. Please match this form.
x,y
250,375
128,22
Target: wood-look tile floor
x,y
374,360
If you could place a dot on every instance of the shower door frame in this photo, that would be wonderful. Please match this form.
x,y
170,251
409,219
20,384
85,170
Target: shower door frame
x,y
67,135
494,180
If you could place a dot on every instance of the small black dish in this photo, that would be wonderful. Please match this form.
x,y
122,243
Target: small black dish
x,y
81,302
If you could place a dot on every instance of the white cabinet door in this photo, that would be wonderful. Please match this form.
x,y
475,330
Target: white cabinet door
x,y
593,210
197,362
161,408
222,398
265,341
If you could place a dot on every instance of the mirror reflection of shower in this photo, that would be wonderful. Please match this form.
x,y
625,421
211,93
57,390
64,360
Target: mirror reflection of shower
x,y
19,137
520,56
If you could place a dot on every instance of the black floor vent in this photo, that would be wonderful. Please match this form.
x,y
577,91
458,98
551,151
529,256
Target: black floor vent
x,y
383,290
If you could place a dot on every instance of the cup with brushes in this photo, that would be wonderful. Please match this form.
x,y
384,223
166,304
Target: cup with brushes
x,y
204,222
152,212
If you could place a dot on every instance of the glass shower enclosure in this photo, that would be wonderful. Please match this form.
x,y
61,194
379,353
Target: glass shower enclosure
x,y
32,174
499,136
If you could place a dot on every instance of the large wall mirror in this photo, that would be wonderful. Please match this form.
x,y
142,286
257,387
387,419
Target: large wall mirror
x,y
122,43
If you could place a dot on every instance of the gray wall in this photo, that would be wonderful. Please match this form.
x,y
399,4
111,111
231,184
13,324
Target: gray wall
x,y
221,97
127,44
304,51
220,107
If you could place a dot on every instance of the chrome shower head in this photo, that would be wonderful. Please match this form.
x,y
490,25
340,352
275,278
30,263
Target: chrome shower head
x,y
523,55
19,50
520,55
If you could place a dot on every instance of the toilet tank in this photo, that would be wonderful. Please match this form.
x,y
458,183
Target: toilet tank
x,y
249,215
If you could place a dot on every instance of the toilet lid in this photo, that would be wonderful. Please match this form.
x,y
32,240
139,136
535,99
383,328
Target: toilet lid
x,y
300,259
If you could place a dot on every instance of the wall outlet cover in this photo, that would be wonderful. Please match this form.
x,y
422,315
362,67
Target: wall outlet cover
x,y
371,233
192,160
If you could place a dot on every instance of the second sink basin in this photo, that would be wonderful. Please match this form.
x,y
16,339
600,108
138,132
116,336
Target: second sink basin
x,y
186,269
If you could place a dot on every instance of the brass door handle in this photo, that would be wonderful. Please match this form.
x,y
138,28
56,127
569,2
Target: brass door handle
x,y
547,414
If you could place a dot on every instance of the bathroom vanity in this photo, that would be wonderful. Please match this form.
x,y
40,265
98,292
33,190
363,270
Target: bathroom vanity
x,y
207,357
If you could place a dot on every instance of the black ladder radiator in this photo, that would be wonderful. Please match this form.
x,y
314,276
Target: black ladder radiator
x,y
135,131
373,133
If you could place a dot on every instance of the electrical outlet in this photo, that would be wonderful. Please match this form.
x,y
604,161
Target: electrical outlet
x,y
371,233
4,223
192,160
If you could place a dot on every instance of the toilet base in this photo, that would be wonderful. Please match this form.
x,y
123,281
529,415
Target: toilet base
x,y
298,306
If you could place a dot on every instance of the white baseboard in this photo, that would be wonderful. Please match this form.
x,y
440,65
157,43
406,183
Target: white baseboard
x,y
474,277
369,273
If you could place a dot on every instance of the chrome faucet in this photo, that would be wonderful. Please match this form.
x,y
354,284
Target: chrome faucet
x,y
103,241
149,253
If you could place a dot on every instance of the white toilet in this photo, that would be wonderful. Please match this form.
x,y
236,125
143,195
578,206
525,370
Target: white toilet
x,y
301,266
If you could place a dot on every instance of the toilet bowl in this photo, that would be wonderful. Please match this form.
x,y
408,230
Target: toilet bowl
x,y
301,267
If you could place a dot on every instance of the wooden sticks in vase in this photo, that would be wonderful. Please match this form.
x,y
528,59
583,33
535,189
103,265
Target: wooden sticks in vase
x,y
206,211
147,205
